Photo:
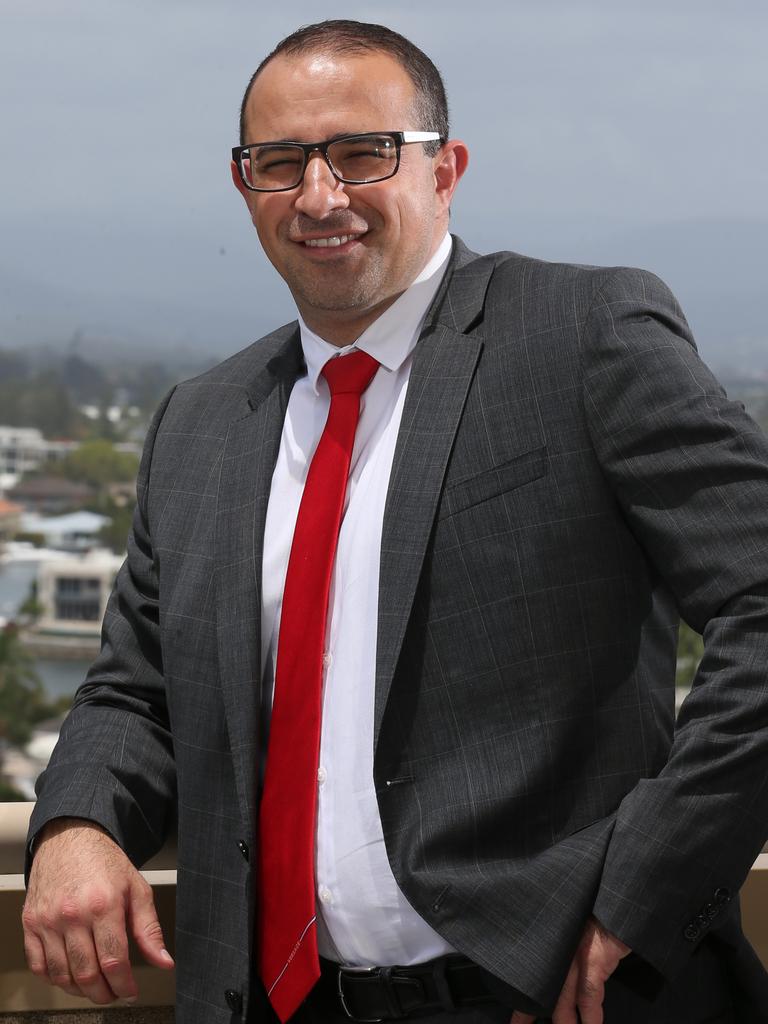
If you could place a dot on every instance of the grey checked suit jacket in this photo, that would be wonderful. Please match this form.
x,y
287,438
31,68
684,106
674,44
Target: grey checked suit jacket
x,y
568,478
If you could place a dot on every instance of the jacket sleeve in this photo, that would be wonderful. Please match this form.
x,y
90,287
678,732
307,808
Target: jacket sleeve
x,y
689,469
113,763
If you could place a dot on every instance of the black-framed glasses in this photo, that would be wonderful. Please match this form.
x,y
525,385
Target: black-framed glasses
x,y
354,159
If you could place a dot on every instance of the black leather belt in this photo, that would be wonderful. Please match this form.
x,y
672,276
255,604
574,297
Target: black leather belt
x,y
392,993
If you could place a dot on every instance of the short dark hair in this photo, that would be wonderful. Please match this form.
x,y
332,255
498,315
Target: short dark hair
x,y
342,37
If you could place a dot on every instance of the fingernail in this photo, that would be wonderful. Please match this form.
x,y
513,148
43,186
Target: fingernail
x,y
130,1000
166,956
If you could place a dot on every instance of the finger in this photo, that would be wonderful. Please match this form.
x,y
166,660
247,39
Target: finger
x,y
590,998
111,944
57,963
565,1009
35,954
518,1017
84,966
145,926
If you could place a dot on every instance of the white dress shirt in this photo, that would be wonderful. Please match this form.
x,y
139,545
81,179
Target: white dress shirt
x,y
363,917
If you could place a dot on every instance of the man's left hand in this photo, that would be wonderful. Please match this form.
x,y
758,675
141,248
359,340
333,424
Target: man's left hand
x,y
581,998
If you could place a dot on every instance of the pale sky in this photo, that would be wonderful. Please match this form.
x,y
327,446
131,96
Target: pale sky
x,y
599,131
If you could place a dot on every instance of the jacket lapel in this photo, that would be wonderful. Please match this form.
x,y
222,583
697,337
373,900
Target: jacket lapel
x,y
443,366
250,453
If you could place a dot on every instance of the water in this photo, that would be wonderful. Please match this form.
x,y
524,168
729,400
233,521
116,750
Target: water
x,y
60,678
15,582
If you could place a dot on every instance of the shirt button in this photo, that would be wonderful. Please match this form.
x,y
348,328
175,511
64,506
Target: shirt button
x,y
327,659
325,895
321,775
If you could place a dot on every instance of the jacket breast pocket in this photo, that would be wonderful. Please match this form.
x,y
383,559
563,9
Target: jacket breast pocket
x,y
522,469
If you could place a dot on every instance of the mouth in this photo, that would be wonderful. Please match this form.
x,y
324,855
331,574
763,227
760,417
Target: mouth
x,y
330,241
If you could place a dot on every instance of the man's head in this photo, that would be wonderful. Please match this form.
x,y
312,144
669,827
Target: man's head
x,y
333,79
358,38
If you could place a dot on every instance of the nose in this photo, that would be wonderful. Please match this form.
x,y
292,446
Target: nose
x,y
320,193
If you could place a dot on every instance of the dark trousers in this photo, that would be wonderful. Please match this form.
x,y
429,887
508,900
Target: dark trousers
x,y
702,994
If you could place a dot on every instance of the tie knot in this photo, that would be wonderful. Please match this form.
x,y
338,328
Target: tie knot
x,y
352,373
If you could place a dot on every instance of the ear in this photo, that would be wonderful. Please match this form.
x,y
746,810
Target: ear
x,y
238,181
450,163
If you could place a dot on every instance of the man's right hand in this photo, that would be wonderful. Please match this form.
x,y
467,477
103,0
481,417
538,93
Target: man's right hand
x,y
84,897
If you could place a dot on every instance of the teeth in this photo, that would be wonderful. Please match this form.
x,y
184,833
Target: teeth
x,y
322,243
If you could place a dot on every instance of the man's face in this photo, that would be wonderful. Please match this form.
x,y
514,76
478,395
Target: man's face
x,y
395,225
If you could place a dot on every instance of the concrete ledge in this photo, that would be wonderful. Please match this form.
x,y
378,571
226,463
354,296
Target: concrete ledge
x,y
142,1015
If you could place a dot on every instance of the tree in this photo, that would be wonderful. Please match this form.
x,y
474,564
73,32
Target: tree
x,y
41,400
84,381
9,793
115,534
22,701
97,463
31,607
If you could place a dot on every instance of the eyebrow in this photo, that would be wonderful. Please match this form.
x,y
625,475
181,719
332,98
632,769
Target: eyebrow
x,y
331,138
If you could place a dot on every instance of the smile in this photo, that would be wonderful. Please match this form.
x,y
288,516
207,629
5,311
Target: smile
x,y
334,240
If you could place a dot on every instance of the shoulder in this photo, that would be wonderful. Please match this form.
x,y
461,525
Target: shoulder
x,y
239,370
538,296
226,390
578,285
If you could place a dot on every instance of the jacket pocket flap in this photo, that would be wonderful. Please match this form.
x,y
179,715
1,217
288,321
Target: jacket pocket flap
x,y
518,471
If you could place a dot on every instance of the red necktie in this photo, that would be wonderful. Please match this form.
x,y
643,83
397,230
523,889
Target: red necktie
x,y
287,937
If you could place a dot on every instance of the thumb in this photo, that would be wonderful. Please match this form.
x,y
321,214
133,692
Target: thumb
x,y
144,925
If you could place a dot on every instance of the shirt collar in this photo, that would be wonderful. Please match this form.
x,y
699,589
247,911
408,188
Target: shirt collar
x,y
391,338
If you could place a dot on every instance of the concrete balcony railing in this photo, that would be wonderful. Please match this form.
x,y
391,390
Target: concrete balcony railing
x,y
27,1000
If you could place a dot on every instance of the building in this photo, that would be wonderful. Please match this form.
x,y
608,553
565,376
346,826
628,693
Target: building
x,y
77,531
24,449
10,519
51,495
73,591
20,449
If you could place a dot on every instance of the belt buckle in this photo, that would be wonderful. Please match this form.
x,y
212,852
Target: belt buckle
x,y
340,989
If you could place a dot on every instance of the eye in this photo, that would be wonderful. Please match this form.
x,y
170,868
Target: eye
x,y
371,151
272,161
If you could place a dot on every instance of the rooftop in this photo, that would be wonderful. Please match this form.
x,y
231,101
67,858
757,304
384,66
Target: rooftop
x,y
8,508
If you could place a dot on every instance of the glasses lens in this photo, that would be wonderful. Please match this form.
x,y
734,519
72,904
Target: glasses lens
x,y
364,158
272,167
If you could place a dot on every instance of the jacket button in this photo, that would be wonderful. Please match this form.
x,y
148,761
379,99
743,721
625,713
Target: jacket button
x,y
243,848
692,932
722,895
234,1000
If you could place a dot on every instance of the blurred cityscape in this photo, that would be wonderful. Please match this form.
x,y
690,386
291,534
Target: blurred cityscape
x,y
71,433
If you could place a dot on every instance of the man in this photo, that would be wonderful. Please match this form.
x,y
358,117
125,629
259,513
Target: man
x,y
471,799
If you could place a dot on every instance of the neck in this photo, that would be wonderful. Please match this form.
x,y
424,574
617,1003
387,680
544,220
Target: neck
x,y
343,327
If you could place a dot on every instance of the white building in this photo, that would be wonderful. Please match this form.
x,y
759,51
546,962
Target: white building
x,y
73,591
19,449
76,531
23,449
